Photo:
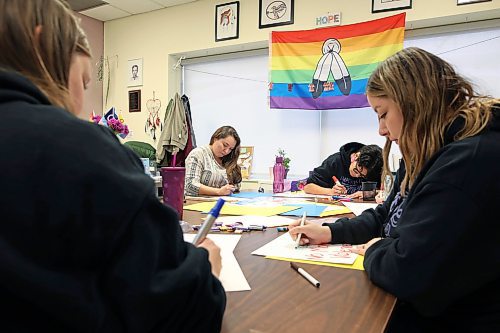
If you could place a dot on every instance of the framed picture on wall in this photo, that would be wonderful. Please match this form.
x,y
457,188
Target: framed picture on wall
x,y
388,5
273,13
466,2
227,18
134,72
134,101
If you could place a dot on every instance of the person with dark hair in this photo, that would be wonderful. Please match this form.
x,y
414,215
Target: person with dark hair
x,y
89,247
353,164
434,243
214,169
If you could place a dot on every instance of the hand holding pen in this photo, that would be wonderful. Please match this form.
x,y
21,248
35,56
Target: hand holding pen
x,y
226,189
302,221
311,233
338,188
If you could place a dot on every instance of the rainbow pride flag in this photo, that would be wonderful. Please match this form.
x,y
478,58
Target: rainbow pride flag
x,y
328,68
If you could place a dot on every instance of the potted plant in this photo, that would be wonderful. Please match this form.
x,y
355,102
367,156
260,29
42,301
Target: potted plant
x,y
286,160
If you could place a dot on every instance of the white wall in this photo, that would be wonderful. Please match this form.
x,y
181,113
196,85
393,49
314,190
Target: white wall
x,y
234,92
162,36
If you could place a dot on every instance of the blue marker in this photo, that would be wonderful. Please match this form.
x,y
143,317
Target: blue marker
x,y
341,198
209,221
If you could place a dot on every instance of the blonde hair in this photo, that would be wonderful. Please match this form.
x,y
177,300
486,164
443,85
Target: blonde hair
x,y
38,39
431,95
230,161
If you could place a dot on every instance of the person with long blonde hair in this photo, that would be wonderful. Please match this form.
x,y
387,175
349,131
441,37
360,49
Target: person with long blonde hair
x,y
86,245
213,169
435,243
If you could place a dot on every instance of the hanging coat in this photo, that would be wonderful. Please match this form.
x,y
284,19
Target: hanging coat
x,y
175,129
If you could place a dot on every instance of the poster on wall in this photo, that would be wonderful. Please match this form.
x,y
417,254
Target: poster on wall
x,y
274,13
328,68
227,21
134,72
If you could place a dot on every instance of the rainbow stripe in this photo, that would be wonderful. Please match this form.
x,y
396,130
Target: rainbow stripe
x,y
306,69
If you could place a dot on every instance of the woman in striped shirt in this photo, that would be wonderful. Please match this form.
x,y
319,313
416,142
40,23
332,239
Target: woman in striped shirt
x,y
213,169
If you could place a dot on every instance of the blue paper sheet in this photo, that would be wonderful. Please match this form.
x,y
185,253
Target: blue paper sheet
x,y
250,195
311,210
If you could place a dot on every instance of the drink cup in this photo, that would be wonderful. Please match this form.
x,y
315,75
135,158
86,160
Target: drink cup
x,y
173,187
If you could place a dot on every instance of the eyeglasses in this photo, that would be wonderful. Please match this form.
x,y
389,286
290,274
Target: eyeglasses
x,y
357,170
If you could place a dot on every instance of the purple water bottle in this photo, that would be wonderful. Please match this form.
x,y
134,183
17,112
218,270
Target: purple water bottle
x,y
279,175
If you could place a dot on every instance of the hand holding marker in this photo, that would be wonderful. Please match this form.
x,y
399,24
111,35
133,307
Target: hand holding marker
x,y
209,221
341,188
297,241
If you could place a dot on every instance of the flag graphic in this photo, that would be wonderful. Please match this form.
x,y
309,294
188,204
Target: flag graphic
x,y
328,68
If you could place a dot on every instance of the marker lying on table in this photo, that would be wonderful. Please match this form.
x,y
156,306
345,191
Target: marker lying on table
x,y
341,198
306,275
209,221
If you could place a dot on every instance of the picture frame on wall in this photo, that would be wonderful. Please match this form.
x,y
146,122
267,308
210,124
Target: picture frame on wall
x,y
134,72
274,13
467,2
227,17
379,6
134,101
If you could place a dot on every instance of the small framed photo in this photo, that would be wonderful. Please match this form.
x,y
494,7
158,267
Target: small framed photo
x,y
227,17
388,5
134,101
466,2
273,13
134,73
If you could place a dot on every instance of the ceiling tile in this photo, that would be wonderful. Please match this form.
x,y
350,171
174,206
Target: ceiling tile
x,y
169,3
134,6
105,13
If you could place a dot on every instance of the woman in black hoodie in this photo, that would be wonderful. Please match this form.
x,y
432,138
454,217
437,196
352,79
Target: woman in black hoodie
x,y
85,244
435,243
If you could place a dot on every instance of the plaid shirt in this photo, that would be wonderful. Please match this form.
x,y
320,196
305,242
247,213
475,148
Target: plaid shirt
x,y
201,168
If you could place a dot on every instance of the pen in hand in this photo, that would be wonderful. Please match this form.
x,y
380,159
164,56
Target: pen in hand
x,y
297,241
209,221
339,184
306,275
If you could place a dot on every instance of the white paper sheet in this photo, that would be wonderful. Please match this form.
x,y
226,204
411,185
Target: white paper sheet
x,y
231,275
284,247
359,207
247,220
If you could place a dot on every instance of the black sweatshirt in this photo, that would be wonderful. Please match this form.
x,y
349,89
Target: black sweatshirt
x,y
442,256
338,165
85,244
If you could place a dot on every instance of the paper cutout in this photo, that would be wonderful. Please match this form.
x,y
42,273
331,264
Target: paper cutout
x,y
284,247
231,275
359,207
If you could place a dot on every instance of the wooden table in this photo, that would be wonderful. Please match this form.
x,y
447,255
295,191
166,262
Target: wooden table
x,y
281,300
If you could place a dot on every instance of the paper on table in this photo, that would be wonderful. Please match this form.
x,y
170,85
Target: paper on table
x,y
335,210
233,209
247,220
212,198
231,275
358,263
359,207
301,194
311,210
284,247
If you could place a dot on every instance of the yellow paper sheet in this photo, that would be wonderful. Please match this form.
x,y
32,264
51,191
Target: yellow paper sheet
x,y
229,209
358,263
333,210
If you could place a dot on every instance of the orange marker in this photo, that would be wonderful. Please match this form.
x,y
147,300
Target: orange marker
x,y
336,181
